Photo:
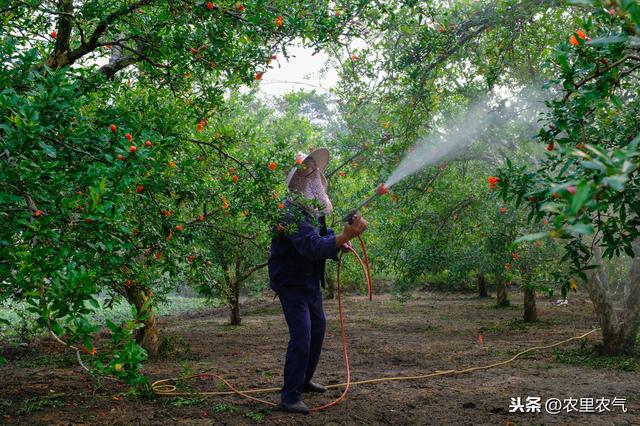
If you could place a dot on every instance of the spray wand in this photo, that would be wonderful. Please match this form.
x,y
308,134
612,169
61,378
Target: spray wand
x,y
380,190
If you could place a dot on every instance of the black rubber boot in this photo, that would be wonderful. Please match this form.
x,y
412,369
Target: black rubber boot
x,y
299,407
314,387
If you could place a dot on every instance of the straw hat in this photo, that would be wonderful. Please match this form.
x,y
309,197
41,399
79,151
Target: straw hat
x,y
320,156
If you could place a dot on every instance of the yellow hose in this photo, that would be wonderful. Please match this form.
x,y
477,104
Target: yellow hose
x,y
160,387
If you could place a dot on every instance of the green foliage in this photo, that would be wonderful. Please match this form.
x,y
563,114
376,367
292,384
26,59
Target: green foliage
x,y
256,417
224,408
116,151
39,403
589,358
587,184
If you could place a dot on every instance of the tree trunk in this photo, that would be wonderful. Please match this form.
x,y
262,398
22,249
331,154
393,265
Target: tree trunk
x,y
147,336
234,299
234,317
331,287
619,331
482,286
501,292
530,311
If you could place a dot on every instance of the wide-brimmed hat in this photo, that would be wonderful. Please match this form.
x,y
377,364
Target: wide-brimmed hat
x,y
321,158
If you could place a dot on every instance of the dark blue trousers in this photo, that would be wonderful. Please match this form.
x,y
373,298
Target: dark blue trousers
x,y
305,317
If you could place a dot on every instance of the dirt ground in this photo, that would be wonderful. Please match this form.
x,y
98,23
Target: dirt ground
x,y
433,331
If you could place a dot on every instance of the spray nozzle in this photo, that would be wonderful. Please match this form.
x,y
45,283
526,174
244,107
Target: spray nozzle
x,y
380,190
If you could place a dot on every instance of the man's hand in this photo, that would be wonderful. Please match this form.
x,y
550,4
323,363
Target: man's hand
x,y
356,228
352,230
346,247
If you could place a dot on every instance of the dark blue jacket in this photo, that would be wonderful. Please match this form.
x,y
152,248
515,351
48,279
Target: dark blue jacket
x,y
297,258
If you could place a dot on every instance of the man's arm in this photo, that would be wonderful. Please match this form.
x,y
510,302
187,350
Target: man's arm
x,y
311,244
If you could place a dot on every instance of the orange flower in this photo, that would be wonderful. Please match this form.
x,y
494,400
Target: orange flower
x,y
538,243
224,203
502,210
179,228
281,206
210,5
573,41
272,166
140,189
158,255
199,127
507,266
275,195
167,213
480,339
235,178
515,255
259,75
279,21
171,163
54,34
170,236
190,258
550,147
201,218
354,57
493,181
38,213
581,34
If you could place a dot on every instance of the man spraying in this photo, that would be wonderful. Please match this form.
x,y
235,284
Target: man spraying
x,y
296,267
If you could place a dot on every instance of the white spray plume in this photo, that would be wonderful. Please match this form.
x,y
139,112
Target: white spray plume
x,y
464,129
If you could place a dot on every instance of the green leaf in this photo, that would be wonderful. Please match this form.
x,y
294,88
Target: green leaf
x,y
603,41
48,149
583,193
616,181
94,302
593,165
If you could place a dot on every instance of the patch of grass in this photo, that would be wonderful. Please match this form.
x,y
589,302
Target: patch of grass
x,y
57,360
174,347
39,403
267,310
185,401
224,408
517,324
5,403
256,417
183,384
394,306
264,373
590,358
